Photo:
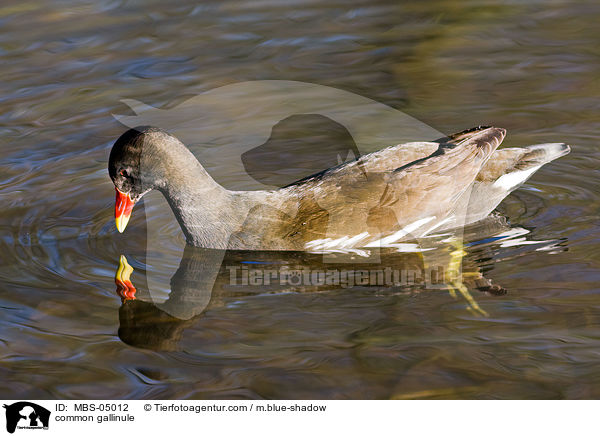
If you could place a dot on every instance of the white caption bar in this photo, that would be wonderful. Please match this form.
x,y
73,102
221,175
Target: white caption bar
x,y
156,417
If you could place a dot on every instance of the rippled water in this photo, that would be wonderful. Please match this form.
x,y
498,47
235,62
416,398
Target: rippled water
x,y
531,68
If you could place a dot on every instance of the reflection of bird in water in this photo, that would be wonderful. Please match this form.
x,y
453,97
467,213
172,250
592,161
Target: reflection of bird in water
x,y
195,288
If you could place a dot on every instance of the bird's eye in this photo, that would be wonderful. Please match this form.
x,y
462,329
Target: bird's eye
x,y
124,173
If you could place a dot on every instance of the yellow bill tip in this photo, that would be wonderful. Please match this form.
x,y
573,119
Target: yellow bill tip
x,y
121,222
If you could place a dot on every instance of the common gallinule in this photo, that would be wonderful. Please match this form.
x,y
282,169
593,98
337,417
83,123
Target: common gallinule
x,y
401,192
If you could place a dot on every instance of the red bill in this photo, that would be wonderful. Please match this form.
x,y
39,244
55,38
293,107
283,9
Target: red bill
x,y
123,206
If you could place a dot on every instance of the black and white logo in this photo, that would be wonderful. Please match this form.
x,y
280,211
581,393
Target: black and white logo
x,y
26,415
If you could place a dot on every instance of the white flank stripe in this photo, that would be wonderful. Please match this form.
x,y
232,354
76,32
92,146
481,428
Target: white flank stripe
x,y
400,233
514,179
444,221
355,240
344,243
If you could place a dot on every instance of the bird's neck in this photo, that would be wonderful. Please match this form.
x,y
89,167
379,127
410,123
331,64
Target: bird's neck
x,y
207,212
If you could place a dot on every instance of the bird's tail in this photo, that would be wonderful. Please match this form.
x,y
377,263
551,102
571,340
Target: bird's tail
x,y
540,154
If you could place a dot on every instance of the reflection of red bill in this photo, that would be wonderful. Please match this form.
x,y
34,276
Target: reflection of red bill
x,y
123,206
125,288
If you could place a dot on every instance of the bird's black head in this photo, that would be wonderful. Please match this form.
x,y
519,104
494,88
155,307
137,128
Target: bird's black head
x,y
125,170
124,164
